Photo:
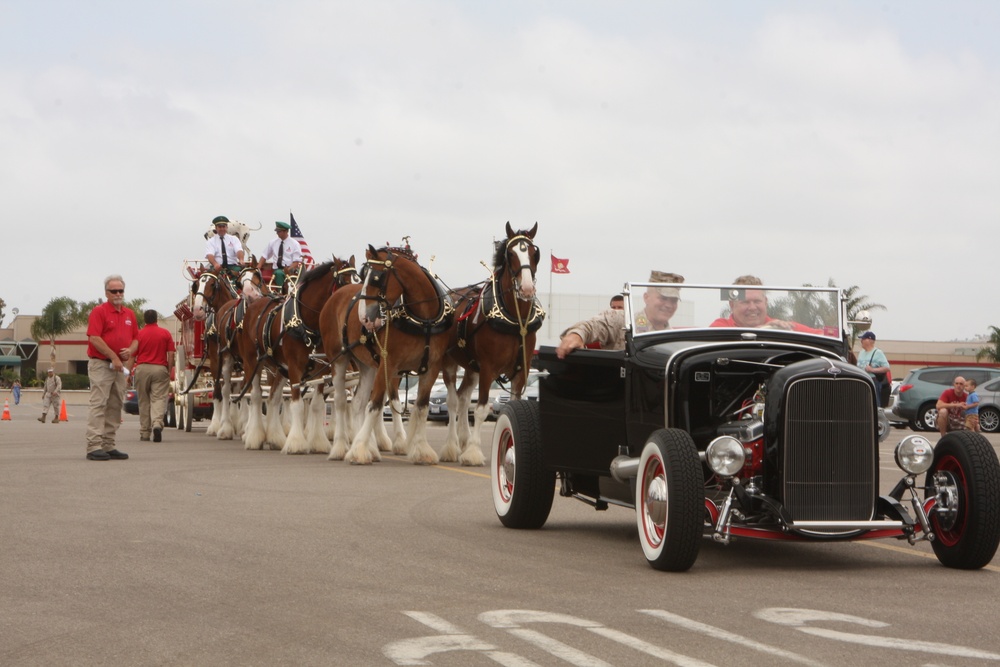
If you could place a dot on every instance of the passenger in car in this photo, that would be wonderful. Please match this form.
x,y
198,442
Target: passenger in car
x,y
750,310
608,328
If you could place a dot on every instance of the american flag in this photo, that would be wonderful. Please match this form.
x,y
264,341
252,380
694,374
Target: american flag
x,y
296,233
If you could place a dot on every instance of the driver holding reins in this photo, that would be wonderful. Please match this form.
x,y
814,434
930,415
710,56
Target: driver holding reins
x,y
222,250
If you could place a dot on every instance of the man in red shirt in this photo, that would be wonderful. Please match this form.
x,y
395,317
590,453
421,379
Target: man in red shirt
x,y
952,402
153,363
112,332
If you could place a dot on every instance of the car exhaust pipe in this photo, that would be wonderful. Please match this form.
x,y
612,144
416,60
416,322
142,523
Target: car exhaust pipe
x,y
624,468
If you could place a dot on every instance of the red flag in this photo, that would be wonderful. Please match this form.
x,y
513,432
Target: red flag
x,y
559,265
296,233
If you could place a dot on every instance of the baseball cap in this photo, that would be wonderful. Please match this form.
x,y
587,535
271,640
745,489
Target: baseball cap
x,y
868,334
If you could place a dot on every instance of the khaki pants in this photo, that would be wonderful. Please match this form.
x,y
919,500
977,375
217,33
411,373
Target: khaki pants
x,y
107,393
51,402
152,382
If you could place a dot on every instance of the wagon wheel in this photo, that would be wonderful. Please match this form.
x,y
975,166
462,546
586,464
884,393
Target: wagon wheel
x,y
669,500
965,477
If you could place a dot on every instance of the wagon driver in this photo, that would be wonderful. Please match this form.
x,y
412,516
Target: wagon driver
x,y
284,253
224,251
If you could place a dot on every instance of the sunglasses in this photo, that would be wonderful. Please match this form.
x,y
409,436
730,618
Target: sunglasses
x,y
116,291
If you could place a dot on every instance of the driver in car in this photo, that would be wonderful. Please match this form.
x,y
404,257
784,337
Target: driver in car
x,y
749,309
608,328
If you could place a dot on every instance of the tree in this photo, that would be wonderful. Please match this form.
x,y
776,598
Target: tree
x,y
59,317
992,352
855,304
3,304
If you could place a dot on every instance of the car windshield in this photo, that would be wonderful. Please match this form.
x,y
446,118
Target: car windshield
x,y
809,310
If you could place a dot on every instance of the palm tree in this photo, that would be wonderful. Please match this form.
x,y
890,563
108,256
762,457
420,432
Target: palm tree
x,y
992,352
855,304
59,317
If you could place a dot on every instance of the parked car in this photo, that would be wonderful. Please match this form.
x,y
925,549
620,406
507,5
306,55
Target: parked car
x,y
921,388
894,420
439,401
732,432
530,394
131,404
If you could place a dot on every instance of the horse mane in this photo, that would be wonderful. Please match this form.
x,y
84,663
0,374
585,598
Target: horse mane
x,y
315,273
405,251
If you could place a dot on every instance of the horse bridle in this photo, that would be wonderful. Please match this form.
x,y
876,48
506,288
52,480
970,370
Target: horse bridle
x,y
532,251
203,281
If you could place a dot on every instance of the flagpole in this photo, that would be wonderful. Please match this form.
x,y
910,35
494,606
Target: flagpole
x,y
548,311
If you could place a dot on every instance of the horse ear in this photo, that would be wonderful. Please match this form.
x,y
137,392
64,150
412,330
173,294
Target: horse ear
x,y
531,232
371,253
350,262
510,232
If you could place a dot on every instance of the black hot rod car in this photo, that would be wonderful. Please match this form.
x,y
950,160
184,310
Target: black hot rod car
x,y
742,419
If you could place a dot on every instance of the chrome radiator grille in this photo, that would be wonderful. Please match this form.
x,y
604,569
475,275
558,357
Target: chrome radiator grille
x,y
830,450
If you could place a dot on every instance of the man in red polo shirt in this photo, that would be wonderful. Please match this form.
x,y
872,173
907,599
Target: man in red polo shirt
x,y
112,333
153,361
951,408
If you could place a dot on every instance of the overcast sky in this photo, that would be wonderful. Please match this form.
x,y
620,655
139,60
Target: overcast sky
x,y
799,141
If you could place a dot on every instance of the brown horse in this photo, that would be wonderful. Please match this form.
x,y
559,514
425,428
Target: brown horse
x,y
290,341
493,336
216,301
397,320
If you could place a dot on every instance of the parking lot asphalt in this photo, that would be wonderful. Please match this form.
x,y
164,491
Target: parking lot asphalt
x,y
195,551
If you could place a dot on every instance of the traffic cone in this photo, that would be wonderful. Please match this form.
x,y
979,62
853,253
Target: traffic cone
x,y
63,417
6,411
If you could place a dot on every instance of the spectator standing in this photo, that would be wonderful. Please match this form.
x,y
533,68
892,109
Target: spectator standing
x,y
873,361
112,332
972,406
153,365
951,408
15,389
51,393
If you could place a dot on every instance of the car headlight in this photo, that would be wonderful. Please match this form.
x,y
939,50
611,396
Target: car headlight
x,y
725,456
914,454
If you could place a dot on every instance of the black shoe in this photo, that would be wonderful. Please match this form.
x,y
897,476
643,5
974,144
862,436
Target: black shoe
x,y
115,454
98,455
157,434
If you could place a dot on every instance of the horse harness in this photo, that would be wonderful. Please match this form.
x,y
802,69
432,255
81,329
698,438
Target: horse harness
x,y
497,314
399,314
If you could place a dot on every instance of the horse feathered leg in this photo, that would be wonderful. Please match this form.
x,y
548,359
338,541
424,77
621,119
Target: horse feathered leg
x,y
361,451
342,419
452,449
472,454
254,435
226,430
315,427
295,441
274,428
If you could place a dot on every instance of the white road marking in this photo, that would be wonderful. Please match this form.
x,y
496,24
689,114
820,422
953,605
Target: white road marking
x,y
512,619
725,635
799,618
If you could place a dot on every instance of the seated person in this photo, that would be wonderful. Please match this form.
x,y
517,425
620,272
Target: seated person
x,y
608,328
951,407
223,251
283,253
750,310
